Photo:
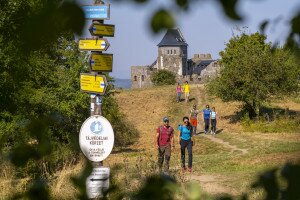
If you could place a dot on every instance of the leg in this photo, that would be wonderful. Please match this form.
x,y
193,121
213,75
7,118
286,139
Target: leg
x,y
167,158
206,122
182,149
161,152
190,152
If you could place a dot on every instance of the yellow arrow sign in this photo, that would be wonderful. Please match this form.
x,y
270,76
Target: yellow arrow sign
x,y
102,30
101,62
93,83
93,44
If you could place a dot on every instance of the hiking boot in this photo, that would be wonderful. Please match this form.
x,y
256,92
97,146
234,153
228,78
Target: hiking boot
x,y
189,169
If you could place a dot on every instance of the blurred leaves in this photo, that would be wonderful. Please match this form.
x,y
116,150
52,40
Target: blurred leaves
x,y
44,27
229,8
162,19
184,4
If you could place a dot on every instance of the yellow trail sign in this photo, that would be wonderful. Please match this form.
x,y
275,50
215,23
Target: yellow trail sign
x,y
101,62
93,44
102,30
93,83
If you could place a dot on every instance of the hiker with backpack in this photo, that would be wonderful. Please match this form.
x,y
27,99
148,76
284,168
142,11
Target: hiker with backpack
x,y
186,141
194,118
206,116
164,142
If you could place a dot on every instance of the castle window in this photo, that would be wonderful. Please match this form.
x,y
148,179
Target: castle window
x,y
175,52
135,78
171,51
143,78
168,51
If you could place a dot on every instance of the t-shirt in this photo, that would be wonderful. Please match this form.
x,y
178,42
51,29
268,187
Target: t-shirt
x,y
185,132
206,113
186,88
165,134
194,114
213,114
178,89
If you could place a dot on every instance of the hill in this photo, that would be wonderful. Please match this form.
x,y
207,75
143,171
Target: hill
x,y
226,163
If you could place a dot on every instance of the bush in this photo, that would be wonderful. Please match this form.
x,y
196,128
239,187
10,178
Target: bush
x,y
163,77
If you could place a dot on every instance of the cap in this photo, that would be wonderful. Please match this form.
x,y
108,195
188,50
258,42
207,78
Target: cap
x,y
165,119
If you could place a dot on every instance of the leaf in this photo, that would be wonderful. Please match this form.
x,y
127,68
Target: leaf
x,y
295,24
162,19
183,4
263,26
229,7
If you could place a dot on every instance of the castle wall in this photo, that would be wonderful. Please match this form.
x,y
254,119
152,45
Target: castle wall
x,y
141,76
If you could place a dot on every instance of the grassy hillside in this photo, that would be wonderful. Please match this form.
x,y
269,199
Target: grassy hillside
x,y
228,162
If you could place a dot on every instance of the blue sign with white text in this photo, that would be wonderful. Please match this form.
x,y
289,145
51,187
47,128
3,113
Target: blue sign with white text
x,y
96,11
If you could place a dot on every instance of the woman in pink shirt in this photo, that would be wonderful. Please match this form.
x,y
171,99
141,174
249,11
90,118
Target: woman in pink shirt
x,y
178,92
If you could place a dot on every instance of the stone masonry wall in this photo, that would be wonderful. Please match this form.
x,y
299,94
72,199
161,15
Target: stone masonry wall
x,y
141,76
171,58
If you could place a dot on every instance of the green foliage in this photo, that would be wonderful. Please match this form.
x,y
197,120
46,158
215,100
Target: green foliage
x,y
162,20
279,125
252,72
163,77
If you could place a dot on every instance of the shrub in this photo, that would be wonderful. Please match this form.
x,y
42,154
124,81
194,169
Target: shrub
x,y
163,77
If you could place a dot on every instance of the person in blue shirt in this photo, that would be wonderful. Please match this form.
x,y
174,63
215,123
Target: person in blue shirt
x,y
206,116
186,141
213,120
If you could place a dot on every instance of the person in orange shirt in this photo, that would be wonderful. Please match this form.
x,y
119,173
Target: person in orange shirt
x,y
194,118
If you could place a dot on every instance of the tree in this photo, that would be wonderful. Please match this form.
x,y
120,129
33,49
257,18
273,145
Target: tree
x,y
252,72
163,77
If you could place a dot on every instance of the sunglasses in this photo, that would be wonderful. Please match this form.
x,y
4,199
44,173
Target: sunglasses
x,y
185,121
166,121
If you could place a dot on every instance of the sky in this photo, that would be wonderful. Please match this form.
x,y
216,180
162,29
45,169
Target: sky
x,y
204,26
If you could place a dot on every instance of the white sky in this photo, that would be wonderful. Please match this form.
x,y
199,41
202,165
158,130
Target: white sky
x,y
204,26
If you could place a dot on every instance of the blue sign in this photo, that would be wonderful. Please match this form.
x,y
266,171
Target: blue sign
x,y
96,11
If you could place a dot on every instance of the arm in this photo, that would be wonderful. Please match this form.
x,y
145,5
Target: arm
x,y
156,140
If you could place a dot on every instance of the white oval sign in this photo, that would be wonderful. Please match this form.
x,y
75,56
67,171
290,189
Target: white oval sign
x,y
96,138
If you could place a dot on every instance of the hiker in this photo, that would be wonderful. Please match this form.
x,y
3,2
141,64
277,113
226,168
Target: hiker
x,y
186,89
206,116
186,140
178,92
213,120
163,140
194,118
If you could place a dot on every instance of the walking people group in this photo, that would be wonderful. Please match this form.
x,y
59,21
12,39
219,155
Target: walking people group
x,y
210,119
165,140
185,89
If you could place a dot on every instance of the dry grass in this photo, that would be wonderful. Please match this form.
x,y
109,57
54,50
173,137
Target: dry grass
x,y
228,170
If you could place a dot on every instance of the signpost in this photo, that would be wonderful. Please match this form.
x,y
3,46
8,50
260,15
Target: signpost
x,y
93,83
97,182
96,138
93,44
96,11
101,62
107,30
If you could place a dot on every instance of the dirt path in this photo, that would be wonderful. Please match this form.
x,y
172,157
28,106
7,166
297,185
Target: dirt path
x,y
226,144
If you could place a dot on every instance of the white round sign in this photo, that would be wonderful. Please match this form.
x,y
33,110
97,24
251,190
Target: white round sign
x,y
96,138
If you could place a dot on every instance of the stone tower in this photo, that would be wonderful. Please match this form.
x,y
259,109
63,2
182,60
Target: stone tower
x,y
172,53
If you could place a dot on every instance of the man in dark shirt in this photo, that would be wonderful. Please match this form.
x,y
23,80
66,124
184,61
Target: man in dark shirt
x,y
163,140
